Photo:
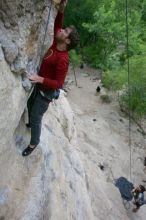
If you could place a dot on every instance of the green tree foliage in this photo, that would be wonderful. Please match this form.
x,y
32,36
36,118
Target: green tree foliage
x,y
133,96
75,59
79,11
102,27
109,27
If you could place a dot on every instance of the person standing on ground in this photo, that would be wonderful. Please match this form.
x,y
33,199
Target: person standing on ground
x,y
51,75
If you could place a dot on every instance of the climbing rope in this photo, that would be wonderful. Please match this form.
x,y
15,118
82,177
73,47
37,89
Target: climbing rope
x,y
33,88
43,42
49,13
129,90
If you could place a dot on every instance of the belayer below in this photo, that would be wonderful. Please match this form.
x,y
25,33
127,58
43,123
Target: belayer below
x,y
138,196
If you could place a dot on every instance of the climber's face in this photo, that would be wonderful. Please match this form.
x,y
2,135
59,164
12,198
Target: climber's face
x,y
62,35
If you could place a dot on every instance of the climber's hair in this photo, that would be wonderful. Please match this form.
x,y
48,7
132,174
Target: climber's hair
x,y
74,38
142,188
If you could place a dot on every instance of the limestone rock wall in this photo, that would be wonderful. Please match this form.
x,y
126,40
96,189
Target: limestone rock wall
x,y
22,27
52,183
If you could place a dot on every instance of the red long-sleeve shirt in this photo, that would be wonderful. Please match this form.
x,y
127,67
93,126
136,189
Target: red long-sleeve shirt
x,y
55,63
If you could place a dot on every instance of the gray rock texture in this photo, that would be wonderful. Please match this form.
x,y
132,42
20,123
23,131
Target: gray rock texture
x,y
61,179
22,28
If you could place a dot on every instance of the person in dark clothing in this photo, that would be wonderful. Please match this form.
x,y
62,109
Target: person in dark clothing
x,y
51,75
138,195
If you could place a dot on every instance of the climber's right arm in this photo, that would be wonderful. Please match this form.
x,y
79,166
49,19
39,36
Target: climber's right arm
x,y
59,18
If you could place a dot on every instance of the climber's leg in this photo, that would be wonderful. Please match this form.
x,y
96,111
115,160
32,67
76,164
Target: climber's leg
x,y
39,107
30,103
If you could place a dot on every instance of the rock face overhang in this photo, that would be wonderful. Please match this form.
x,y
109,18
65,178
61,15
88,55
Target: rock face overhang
x,y
53,176
22,29
31,187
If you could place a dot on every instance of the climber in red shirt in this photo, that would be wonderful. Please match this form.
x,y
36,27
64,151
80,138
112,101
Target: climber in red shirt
x,y
51,76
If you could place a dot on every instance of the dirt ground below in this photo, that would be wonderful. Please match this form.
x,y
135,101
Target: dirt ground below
x,y
103,130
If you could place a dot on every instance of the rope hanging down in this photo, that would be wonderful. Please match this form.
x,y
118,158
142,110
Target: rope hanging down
x,y
128,70
36,67
42,47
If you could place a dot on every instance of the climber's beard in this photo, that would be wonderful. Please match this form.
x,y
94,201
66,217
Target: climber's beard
x,y
60,38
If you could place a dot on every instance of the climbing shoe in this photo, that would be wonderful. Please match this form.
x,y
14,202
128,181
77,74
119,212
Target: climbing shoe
x,y
28,151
